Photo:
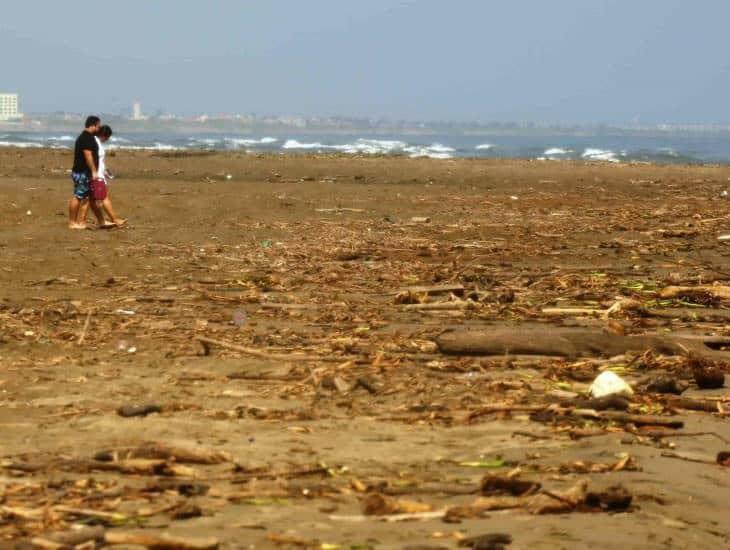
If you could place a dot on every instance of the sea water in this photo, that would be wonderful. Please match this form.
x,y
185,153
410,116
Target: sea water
x,y
694,149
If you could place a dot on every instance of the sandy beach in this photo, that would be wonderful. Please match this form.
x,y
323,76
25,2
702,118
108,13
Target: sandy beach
x,y
295,327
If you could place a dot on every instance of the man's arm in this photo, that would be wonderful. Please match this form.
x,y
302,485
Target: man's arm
x,y
89,157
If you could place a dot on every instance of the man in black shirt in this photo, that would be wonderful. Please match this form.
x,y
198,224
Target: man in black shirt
x,y
86,162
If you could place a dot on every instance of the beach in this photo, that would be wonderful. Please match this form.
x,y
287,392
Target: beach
x,y
292,318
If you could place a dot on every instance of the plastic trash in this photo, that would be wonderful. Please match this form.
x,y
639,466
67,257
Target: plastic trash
x,y
609,383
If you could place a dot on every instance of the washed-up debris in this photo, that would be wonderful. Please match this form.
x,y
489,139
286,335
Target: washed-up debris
x,y
491,541
128,411
708,374
435,363
609,383
666,384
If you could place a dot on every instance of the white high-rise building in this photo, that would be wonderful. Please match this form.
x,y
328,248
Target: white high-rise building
x,y
137,111
9,107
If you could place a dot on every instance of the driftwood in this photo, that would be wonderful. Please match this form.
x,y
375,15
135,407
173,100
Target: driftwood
x,y
691,404
437,289
691,313
67,539
627,418
554,341
160,542
570,342
444,306
135,466
161,451
721,292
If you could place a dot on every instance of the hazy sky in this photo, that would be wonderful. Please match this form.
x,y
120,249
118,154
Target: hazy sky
x,y
557,60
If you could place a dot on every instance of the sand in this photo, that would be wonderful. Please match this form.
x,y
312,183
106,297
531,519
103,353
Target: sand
x,y
312,255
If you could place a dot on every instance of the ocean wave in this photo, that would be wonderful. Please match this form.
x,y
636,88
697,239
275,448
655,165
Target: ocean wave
x,y
205,142
295,144
60,138
434,151
247,142
22,144
377,147
484,147
372,147
155,147
557,151
605,155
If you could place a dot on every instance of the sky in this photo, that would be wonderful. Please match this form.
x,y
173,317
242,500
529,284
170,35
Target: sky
x,y
570,61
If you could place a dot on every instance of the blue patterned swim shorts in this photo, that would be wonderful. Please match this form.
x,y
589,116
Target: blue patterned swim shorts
x,y
81,185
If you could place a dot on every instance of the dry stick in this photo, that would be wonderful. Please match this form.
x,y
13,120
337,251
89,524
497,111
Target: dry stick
x,y
443,306
638,419
263,354
245,478
490,409
86,328
659,435
74,538
160,542
688,458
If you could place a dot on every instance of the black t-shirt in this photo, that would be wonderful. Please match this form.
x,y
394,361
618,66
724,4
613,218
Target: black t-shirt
x,y
85,142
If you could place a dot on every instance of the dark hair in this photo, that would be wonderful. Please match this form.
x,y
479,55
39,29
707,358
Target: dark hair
x,y
105,131
92,121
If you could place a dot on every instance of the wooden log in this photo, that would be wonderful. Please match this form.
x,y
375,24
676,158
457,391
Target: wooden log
x,y
690,313
552,341
691,404
721,292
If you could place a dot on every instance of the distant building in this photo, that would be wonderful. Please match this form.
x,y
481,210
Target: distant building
x,y
137,111
9,107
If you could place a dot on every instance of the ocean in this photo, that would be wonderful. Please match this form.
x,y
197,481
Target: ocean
x,y
676,149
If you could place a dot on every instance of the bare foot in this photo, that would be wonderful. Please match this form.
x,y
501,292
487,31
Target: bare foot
x,y
106,225
120,222
77,226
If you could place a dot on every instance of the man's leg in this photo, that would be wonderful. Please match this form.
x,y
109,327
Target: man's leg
x,y
73,212
96,209
107,205
83,212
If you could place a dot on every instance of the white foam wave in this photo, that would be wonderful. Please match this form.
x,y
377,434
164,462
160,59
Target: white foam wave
x,y
295,144
60,138
115,139
372,147
21,144
484,147
434,151
557,151
207,142
155,147
605,155
243,142
376,147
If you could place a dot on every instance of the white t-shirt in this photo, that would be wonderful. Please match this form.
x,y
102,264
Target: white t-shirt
x,y
101,169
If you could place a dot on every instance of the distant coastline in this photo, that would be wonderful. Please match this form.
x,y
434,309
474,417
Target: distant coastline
x,y
278,126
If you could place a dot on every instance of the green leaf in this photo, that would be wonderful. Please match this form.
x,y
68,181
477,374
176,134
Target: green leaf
x,y
494,463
